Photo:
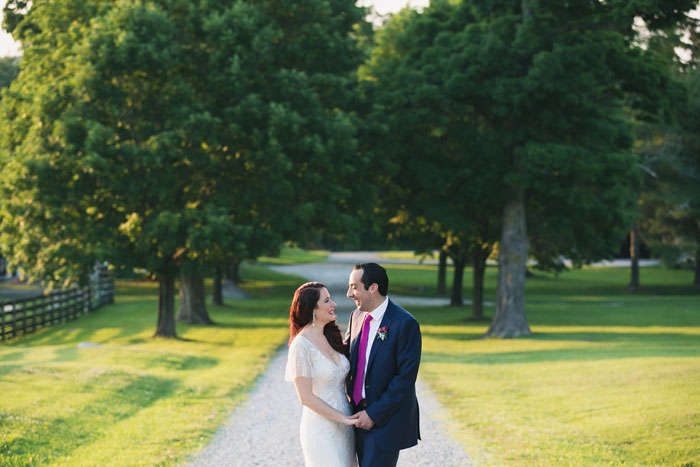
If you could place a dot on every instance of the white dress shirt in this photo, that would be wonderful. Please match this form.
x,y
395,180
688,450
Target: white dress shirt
x,y
377,315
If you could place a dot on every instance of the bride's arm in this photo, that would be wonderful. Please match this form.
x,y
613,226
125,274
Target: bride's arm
x,y
315,403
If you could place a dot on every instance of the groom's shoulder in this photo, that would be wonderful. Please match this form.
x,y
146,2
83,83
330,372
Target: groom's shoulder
x,y
401,313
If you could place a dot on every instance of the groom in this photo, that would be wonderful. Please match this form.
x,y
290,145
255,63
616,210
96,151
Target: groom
x,y
385,346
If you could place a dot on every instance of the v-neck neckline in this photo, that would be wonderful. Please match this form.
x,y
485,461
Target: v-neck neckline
x,y
321,352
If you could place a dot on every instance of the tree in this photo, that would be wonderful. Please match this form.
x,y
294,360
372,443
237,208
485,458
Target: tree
x,y
670,203
540,92
9,69
686,214
442,195
193,306
163,133
582,70
667,169
571,155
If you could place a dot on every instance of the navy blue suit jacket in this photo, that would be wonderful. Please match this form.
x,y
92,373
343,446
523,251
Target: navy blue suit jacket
x,y
390,380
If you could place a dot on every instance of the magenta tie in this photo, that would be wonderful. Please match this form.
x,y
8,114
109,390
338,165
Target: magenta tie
x,y
361,352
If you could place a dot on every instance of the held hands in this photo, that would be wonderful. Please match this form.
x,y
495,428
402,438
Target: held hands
x,y
362,420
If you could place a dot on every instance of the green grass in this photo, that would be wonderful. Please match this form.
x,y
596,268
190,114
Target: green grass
x,y
293,255
421,279
406,255
132,400
607,378
14,286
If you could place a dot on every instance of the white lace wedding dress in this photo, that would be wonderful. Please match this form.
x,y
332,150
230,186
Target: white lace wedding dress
x,y
325,443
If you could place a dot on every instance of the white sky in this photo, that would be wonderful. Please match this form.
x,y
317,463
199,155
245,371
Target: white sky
x,y
9,47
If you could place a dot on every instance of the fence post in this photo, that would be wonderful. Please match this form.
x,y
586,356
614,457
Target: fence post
x,y
2,321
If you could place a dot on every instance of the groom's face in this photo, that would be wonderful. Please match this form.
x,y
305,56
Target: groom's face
x,y
357,291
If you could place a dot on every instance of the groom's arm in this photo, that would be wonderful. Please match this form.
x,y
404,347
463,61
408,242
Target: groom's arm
x,y
408,351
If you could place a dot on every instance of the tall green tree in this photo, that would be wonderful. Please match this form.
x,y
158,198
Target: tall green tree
x,y
446,185
540,92
9,69
670,202
155,134
572,70
686,213
665,150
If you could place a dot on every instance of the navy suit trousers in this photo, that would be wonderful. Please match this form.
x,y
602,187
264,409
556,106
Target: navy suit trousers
x,y
369,454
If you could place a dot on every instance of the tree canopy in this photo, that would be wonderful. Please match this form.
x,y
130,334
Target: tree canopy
x,y
528,106
153,133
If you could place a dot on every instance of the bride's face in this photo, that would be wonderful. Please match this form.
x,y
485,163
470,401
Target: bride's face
x,y
325,308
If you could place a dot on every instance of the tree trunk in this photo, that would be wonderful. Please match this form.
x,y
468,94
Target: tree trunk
x,y
509,319
697,267
479,265
457,280
442,273
193,306
234,272
217,293
634,258
166,305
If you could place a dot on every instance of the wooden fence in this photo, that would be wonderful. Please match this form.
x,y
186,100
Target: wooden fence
x,y
26,315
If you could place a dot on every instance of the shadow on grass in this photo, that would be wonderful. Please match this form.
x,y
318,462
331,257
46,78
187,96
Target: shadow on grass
x,y
9,369
616,345
667,290
556,355
11,356
56,435
179,362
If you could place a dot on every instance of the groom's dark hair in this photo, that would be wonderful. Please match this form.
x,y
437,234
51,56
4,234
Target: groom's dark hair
x,y
372,273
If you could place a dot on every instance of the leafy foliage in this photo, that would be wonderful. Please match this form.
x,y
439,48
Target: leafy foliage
x,y
493,102
151,133
9,69
670,200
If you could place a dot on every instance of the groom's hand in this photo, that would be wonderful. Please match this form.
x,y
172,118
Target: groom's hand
x,y
363,421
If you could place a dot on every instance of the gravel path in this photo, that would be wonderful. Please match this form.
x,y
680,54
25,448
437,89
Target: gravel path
x,y
264,431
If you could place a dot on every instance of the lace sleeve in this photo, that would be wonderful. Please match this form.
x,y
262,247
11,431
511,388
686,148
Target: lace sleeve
x,y
299,361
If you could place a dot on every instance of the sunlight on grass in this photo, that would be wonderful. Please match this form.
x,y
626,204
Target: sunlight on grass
x,y
607,377
610,378
130,399
408,255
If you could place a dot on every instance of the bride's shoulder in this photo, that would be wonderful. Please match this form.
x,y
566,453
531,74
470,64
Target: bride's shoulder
x,y
299,341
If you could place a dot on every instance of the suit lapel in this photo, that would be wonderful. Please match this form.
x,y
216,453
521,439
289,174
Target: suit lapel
x,y
377,344
357,318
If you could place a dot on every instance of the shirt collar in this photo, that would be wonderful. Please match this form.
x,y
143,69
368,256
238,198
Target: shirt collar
x,y
378,313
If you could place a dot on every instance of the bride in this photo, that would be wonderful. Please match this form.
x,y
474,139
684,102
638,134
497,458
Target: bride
x,y
318,366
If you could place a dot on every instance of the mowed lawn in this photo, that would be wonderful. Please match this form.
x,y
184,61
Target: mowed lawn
x,y
607,378
134,400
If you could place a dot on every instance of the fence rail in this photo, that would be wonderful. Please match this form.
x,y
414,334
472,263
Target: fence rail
x,y
27,315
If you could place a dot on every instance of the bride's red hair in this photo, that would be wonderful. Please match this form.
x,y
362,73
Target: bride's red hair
x,y
301,313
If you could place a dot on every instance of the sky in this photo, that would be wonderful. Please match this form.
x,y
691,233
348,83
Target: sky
x,y
9,47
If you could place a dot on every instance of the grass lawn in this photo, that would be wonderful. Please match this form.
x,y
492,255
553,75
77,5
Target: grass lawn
x,y
293,255
134,400
407,255
606,378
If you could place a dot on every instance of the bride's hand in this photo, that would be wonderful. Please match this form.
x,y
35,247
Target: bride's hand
x,y
350,421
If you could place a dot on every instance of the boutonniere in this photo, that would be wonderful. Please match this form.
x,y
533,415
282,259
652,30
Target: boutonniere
x,y
382,333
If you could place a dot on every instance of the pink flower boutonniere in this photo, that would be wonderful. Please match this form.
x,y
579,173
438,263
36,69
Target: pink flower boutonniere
x,y
382,333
